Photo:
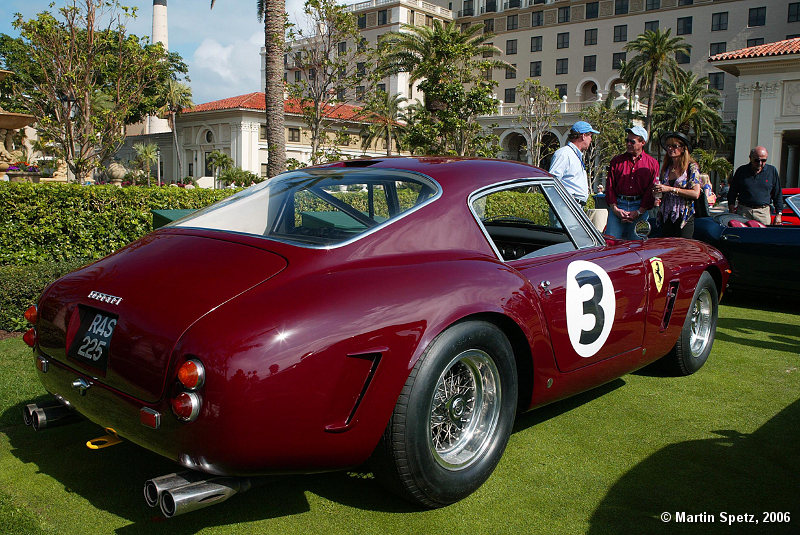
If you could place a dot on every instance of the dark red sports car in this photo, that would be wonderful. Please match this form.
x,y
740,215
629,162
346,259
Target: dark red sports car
x,y
396,310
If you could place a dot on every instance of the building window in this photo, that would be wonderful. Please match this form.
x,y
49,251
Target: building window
x,y
536,43
755,42
342,47
264,170
684,25
536,18
262,132
362,21
383,16
362,45
562,40
360,91
294,135
562,90
562,66
620,33
489,53
511,95
717,48
590,37
209,137
650,5
716,80
685,2
512,22
511,73
382,88
536,69
592,10
589,63
341,95
617,59
297,75
793,36
651,26
488,26
719,21
563,14
794,12
757,17
361,69
620,7
191,169
511,46
312,73
682,58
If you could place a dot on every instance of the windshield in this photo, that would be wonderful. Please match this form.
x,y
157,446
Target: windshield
x,y
318,207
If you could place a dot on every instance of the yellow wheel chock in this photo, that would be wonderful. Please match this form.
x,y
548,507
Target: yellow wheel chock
x,y
110,439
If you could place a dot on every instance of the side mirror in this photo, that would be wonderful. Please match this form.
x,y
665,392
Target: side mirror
x,y
642,229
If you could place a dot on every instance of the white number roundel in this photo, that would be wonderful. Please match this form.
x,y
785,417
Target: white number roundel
x,y
590,307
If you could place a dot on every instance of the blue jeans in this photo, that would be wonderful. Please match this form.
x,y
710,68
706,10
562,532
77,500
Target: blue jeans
x,y
624,230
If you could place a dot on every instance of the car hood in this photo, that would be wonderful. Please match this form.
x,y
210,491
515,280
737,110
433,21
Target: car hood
x,y
155,288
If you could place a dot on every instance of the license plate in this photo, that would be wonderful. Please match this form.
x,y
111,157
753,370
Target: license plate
x,y
91,343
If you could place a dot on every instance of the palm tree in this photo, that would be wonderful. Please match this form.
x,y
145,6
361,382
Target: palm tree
x,y
687,104
177,97
440,54
383,111
273,13
146,156
219,161
655,60
709,163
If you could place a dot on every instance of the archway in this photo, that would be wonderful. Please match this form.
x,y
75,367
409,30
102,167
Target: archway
x,y
588,91
516,147
549,145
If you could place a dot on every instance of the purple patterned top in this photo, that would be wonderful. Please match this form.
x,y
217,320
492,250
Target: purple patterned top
x,y
673,207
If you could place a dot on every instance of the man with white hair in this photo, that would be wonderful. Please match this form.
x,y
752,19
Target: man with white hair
x,y
754,187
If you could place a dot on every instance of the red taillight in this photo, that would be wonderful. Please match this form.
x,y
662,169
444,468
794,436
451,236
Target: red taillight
x,y
30,337
186,406
32,314
192,374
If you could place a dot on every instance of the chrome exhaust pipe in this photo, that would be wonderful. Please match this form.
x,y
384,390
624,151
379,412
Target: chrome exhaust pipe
x,y
195,496
27,410
153,488
52,417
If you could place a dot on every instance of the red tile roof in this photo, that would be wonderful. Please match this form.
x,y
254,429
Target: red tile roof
x,y
779,48
257,101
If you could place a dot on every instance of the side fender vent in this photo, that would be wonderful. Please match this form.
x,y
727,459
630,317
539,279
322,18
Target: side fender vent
x,y
672,293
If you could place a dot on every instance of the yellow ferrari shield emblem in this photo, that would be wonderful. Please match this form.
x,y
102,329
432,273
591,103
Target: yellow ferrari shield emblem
x,y
658,272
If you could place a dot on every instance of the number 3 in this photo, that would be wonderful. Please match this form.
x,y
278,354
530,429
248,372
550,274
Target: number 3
x,y
590,307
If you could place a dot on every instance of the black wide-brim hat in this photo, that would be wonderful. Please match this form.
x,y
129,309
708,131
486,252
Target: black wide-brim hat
x,y
677,135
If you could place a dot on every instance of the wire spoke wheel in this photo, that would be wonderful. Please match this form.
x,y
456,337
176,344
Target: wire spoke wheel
x,y
464,409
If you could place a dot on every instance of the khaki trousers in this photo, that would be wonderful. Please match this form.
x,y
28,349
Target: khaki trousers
x,y
761,215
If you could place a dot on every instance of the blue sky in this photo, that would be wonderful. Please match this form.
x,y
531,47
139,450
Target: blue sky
x,y
221,46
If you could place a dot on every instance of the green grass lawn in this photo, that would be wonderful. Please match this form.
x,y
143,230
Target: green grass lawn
x,y
609,461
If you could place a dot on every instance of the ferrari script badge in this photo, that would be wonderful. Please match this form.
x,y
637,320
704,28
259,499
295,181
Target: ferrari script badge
x,y
105,298
658,272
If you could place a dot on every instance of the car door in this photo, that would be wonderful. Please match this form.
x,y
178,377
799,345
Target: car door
x,y
592,294
763,257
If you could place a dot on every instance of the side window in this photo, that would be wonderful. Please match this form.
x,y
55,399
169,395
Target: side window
x,y
530,221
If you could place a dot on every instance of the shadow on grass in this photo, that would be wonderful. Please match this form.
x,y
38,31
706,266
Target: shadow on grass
x,y
781,336
112,480
734,473
772,303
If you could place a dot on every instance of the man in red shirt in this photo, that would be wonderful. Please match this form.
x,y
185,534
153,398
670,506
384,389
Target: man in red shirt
x,y
629,185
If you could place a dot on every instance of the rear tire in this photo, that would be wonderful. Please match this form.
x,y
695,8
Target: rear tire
x,y
697,335
453,418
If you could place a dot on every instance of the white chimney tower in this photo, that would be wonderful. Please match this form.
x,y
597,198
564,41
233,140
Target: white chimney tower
x,y
160,34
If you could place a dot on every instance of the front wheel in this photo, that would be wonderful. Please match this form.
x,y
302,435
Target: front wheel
x,y
697,335
453,418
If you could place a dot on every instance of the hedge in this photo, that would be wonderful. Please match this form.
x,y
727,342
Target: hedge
x,y
58,222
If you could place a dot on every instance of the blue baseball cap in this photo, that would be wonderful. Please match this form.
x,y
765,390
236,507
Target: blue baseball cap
x,y
638,131
582,127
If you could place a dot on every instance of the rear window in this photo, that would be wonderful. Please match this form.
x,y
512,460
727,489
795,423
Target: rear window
x,y
318,207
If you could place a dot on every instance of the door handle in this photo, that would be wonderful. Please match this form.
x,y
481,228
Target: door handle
x,y
731,237
545,286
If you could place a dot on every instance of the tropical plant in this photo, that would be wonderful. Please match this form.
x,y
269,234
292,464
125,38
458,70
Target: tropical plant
x,y
273,13
239,177
655,59
710,163
537,112
383,113
177,96
219,161
146,157
687,104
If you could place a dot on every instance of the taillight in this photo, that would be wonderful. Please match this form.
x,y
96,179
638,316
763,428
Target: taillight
x,y
192,374
186,406
32,314
30,337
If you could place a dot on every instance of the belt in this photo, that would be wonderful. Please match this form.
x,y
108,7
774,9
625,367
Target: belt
x,y
630,197
754,207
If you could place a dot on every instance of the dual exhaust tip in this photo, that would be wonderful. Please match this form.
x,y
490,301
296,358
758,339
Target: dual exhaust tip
x,y
176,494
48,414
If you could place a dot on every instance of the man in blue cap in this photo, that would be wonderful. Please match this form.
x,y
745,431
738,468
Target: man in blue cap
x,y
567,164
629,185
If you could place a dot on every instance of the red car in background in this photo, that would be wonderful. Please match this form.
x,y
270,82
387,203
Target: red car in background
x,y
397,310
788,216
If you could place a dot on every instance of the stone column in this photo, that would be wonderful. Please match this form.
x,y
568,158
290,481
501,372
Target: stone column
x,y
792,167
747,113
768,135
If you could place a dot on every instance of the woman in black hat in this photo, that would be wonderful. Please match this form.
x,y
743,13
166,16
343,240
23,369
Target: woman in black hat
x,y
678,187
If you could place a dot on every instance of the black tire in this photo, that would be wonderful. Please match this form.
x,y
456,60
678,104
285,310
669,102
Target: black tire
x,y
697,336
437,449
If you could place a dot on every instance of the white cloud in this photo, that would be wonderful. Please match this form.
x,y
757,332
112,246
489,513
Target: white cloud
x,y
222,70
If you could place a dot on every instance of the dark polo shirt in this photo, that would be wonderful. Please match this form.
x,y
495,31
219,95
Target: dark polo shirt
x,y
756,190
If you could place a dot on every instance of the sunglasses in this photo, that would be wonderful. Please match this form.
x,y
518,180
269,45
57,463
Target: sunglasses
x,y
674,146
762,160
631,140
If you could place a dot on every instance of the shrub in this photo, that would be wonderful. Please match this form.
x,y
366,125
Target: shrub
x,y
57,222
21,286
